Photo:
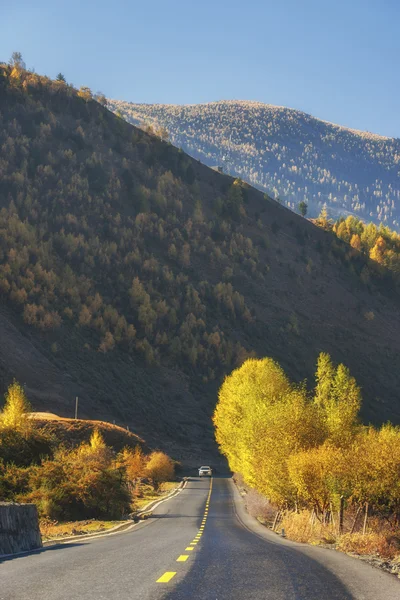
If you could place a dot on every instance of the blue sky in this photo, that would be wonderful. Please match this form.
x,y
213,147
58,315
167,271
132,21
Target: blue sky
x,y
337,60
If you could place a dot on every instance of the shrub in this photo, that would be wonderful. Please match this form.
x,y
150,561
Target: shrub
x,y
80,483
159,468
385,545
16,409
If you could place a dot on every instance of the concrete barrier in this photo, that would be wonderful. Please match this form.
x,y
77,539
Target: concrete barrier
x,y
19,528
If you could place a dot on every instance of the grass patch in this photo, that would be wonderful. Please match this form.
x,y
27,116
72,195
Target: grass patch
x,y
147,494
53,529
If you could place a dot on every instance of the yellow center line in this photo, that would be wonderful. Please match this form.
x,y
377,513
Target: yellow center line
x,y
189,548
168,575
182,558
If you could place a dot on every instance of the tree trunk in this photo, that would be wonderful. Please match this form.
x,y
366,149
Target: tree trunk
x,y
365,518
341,515
355,519
278,512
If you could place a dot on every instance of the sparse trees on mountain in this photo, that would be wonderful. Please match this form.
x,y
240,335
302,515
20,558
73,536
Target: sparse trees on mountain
x,y
60,77
288,154
57,265
303,207
85,93
17,61
100,98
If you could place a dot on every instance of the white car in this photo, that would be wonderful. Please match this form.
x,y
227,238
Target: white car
x,y
205,472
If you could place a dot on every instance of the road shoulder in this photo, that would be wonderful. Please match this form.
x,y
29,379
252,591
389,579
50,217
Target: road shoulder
x,y
363,581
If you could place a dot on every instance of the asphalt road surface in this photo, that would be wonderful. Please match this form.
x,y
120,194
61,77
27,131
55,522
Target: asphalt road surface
x,y
199,545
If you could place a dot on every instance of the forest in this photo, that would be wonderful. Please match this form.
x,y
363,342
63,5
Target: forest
x,y
79,232
380,244
287,153
135,277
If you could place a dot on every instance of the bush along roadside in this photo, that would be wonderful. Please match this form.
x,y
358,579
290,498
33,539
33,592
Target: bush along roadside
x,y
88,481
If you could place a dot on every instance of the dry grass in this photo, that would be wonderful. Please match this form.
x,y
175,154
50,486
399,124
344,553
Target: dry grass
x,y
381,544
380,540
258,506
72,432
148,494
53,529
301,528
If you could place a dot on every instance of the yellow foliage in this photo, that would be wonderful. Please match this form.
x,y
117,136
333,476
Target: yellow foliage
x,y
16,410
338,398
288,446
134,463
316,475
355,241
260,419
97,441
159,468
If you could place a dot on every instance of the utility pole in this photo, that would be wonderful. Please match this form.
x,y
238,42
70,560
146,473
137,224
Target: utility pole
x,y
76,407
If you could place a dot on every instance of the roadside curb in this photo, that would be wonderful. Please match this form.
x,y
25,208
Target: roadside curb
x,y
141,515
154,503
72,538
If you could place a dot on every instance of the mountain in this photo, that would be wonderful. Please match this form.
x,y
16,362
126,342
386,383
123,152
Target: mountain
x,y
135,277
287,153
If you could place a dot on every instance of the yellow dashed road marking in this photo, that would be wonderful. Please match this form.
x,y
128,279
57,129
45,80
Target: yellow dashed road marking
x,y
168,575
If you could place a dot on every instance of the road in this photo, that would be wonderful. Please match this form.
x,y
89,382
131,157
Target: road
x,y
200,544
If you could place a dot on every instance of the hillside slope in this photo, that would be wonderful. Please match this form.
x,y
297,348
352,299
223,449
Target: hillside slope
x,y
287,153
135,277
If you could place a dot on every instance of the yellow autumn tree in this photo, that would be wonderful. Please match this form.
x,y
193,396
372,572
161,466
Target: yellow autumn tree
x,y
133,462
338,398
355,241
159,468
15,414
317,476
260,419
247,389
96,452
373,467
377,253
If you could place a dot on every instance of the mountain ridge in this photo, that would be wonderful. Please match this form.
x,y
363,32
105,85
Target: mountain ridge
x,y
288,153
259,104
135,277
